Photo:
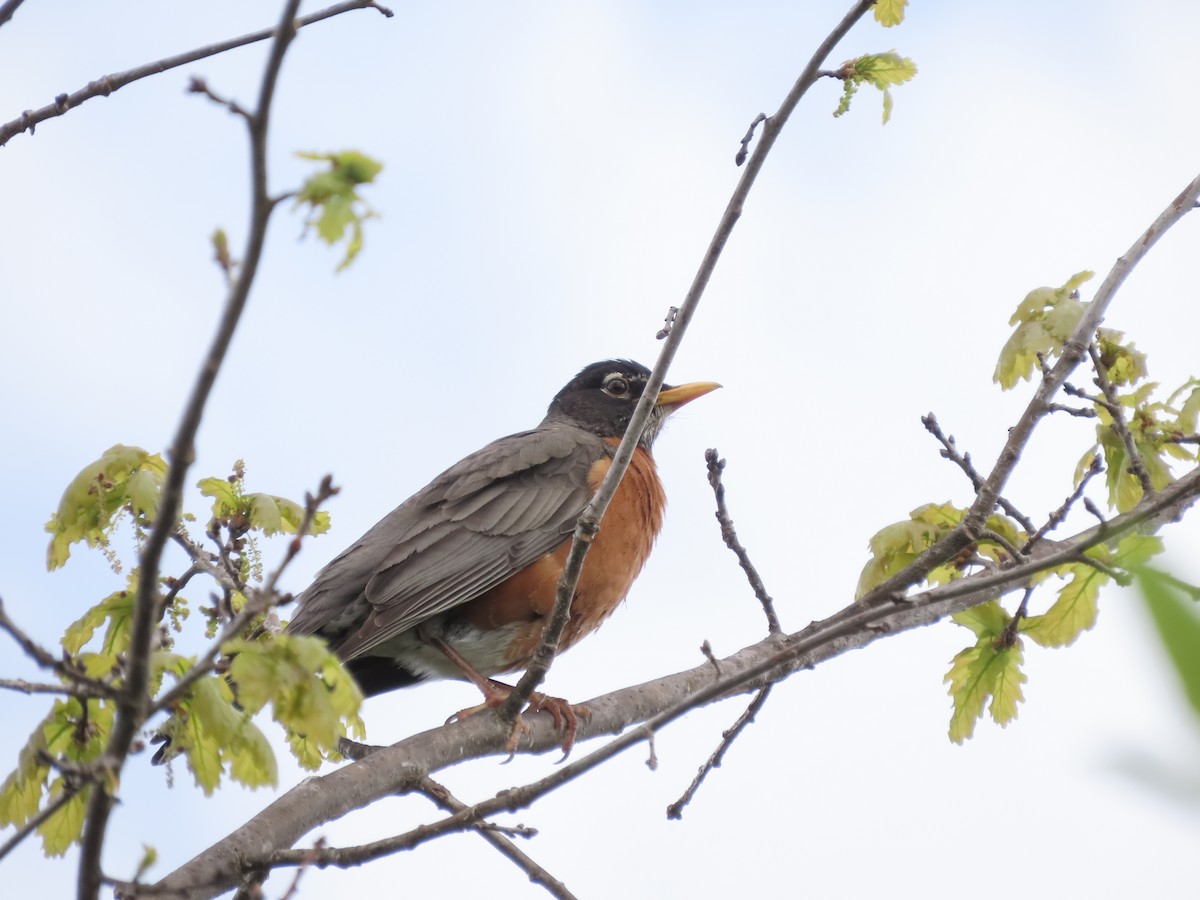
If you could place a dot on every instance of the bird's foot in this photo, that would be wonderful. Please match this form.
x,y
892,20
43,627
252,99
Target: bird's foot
x,y
565,715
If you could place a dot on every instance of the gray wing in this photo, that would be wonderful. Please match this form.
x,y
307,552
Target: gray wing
x,y
473,526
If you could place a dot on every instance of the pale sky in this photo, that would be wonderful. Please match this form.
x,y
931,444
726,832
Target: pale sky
x,y
552,176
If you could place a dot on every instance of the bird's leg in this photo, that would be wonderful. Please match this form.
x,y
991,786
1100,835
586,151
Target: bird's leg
x,y
566,716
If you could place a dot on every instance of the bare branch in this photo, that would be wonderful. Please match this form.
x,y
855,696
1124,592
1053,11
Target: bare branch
x,y
675,810
963,461
1094,468
589,521
716,467
744,150
31,687
441,796
105,85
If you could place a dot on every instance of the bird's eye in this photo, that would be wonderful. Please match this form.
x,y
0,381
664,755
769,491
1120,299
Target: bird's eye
x,y
616,386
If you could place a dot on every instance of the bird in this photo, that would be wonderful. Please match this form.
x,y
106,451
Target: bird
x,y
459,580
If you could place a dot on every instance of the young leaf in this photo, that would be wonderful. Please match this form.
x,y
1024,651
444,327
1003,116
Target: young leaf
x,y
1073,613
333,201
880,70
890,12
123,478
989,669
63,828
1044,320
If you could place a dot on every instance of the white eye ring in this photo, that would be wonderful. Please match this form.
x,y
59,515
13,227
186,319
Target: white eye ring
x,y
616,385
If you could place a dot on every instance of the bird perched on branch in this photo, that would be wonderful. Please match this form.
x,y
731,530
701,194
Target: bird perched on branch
x,y
458,581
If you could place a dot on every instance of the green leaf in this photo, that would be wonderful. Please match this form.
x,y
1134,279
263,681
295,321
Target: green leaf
x,y
880,70
890,12
117,610
1123,362
21,793
309,691
123,478
1044,320
1178,626
63,828
895,546
334,204
989,669
1073,613
226,499
987,620
211,732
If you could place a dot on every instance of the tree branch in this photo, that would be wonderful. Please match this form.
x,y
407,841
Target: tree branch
x,y
589,521
7,9
716,468
105,85
133,704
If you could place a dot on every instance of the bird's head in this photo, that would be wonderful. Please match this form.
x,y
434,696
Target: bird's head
x,y
602,397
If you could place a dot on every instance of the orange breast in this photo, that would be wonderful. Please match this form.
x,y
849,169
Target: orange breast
x,y
617,555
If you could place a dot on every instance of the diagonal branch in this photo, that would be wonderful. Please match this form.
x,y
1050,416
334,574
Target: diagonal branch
x,y
1052,381
589,521
105,85
133,704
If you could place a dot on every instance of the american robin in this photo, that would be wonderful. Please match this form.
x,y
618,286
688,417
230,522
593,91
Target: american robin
x,y
458,580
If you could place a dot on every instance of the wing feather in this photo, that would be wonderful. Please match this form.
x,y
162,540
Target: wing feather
x,y
473,526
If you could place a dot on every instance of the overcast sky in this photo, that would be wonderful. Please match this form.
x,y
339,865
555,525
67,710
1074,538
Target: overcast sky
x,y
553,173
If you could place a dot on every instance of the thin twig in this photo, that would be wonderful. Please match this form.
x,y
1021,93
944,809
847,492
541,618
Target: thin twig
x,y
105,85
32,687
744,150
1078,412
197,85
589,521
1056,518
716,468
312,505
344,857
318,845
675,810
1009,637
963,461
1136,464
134,703
86,686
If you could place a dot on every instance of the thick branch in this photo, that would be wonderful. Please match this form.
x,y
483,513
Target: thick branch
x,y
105,85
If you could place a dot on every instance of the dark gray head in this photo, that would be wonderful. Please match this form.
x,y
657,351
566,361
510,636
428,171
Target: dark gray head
x,y
602,397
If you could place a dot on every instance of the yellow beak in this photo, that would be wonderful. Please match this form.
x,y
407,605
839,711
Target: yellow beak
x,y
685,393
